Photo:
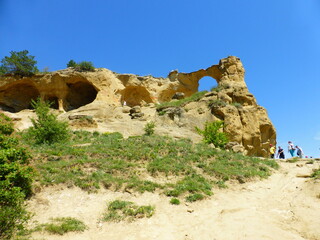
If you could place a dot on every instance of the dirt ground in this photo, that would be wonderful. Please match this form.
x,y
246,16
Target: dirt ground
x,y
286,206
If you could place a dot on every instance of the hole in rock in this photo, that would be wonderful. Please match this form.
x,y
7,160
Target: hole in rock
x,y
80,94
207,83
135,95
18,97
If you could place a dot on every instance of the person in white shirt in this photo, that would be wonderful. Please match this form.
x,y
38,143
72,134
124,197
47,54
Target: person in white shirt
x,y
291,148
299,151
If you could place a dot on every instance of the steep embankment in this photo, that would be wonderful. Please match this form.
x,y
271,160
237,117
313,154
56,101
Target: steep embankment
x,y
284,207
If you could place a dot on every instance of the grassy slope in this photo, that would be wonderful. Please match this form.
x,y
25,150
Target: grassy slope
x,y
177,168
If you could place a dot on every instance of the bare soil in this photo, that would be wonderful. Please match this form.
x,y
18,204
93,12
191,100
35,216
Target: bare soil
x,y
286,206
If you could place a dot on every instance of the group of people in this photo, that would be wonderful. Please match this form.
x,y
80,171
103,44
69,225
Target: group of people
x,y
291,149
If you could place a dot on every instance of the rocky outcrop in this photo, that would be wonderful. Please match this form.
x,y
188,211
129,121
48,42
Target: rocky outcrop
x,y
111,98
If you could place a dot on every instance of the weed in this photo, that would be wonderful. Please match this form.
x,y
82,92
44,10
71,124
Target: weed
x,y
119,210
217,88
237,105
293,160
216,103
179,103
194,197
63,225
316,174
175,201
192,184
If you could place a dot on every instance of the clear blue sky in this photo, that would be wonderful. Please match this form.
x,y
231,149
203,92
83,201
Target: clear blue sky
x,y
278,42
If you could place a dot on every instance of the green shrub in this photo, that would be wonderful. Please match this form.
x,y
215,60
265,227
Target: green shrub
x,y
175,201
316,174
194,197
85,66
216,103
212,134
63,225
19,63
46,128
15,182
120,210
149,128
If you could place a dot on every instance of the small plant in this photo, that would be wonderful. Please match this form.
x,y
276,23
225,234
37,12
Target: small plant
x,y
175,201
46,128
316,174
120,210
237,105
63,225
293,160
217,88
19,63
180,103
216,103
45,70
149,128
212,134
194,197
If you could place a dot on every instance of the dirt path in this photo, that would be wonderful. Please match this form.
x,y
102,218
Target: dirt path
x,y
283,207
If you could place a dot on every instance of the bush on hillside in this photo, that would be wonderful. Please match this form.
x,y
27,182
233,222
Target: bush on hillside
x,y
72,64
47,128
212,134
83,66
149,128
19,63
15,181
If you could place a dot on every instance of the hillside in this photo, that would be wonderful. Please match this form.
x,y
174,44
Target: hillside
x,y
284,206
125,102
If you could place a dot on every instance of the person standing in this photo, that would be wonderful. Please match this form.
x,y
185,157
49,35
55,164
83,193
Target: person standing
x,y
272,150
280,154
299,151
291,148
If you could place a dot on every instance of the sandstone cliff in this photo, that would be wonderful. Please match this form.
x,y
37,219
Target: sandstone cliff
x,y
106,97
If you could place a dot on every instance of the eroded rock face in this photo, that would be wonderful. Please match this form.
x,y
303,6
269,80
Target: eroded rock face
x,y
101,92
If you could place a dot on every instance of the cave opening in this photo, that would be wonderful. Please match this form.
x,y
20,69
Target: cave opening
x,y
80,94
53,100
135,95
18,97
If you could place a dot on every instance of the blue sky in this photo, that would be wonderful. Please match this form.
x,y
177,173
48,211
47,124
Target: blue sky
x,y
277,41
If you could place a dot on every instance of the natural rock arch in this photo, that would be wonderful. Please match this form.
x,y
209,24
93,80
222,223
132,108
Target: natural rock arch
x,y
209,81
18,96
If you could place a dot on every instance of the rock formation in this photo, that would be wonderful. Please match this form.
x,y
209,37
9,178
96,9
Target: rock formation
x,y
107,97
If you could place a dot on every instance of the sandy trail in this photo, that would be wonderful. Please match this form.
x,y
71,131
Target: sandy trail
x,y
283,207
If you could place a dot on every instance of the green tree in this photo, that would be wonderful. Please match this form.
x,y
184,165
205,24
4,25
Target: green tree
x,y
15,181
47,128
212,133
19,63
72,63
